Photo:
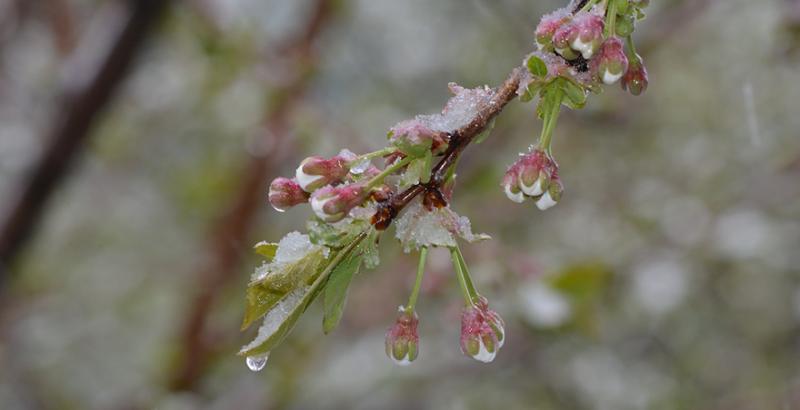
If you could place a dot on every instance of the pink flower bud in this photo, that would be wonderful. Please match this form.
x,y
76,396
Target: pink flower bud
x,y
402,340
482,332
285,193
610,64
562,40
534,175
635,80
587,35
333,203
316,172
547,28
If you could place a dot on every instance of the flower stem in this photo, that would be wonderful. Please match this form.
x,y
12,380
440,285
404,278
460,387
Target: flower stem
x,y
412,300
550,119
589,4
611,19
464,279
388,171
371,155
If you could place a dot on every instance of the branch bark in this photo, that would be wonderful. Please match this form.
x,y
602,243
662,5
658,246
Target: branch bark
x,y
234,226
67,137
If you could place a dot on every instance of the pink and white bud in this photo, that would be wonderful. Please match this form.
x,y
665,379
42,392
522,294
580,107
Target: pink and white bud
x,y
285,193
316,172
562,40
482,333
402,340
610,64
534,175
547,28
511,186
635,80
587,35
333,203
494,320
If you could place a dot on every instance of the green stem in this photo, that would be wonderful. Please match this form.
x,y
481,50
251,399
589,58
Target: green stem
x,y
611,19
630,50
589,4
388,171
412,300
370,156
464,279
550,119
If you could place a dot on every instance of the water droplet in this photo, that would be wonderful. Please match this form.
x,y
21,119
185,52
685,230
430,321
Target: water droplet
x,y
360,167
256,363
277,209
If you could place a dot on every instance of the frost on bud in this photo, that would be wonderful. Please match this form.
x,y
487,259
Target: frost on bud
x,y
332,204
547,28
402,340
482,332
413,137
610,64
285,193
587,34
316,172
635,80
534,175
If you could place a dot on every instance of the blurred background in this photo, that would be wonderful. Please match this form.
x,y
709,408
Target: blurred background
x,y
138,138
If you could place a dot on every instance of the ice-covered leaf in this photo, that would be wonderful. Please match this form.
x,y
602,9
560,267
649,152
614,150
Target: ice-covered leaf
x,y
370,250
266,249
419,170
339,234
419,228
335,293
280,320
263,294
460,110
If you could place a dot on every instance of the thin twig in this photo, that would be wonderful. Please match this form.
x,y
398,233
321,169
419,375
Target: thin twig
x,y
69,133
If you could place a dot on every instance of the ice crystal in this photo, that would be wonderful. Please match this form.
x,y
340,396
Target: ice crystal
x,y
462,108
293,247
419,228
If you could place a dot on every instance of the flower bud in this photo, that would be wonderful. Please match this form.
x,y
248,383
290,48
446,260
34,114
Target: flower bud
x,y
511,186
316,172
552,195
333,203
285,193
587,35
635,80
494,320
562,40
482,332
402,340
534,175
547,28
610,64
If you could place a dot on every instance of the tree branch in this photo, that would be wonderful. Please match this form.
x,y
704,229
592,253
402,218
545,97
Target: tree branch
x,y
67,137
459,141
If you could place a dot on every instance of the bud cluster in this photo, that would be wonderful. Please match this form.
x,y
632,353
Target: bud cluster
x,y
402,340
534,175
482,331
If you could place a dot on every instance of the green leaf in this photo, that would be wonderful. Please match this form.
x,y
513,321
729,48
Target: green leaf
x,y
335,293
486,132
536,66
550,96
427,164
370,250
336,236
263,294
575,93
295,310
266,249
412,150
415,171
